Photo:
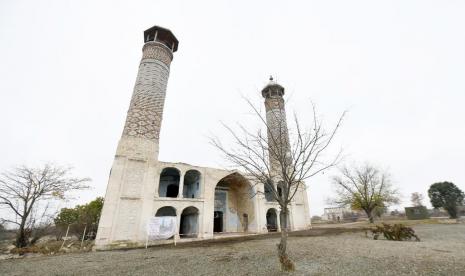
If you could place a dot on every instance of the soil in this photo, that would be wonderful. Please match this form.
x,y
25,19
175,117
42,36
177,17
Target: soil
x,y
321,251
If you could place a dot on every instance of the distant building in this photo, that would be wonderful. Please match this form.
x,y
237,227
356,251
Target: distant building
x,y
336,213
417,212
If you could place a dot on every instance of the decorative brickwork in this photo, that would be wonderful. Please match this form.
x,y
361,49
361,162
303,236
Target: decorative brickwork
x,y
158,51
146,108
278,136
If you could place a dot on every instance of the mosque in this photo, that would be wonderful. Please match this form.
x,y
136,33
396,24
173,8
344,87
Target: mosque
x,y
206,201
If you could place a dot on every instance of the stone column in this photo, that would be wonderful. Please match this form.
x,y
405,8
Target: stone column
x,y
181,184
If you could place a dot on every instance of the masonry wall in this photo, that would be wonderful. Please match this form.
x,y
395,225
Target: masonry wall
x,y
131,232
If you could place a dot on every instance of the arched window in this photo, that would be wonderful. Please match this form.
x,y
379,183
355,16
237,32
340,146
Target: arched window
x,y
169,183
189,223
191,187
268,193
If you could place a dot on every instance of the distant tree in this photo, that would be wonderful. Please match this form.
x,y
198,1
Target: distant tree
x,y
80,217
447,196
2,226
364,188
67,216
379,211
417,199
23,188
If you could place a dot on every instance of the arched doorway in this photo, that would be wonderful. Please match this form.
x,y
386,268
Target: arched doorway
x,y
189,223
272,220
233,205
169,182
166,211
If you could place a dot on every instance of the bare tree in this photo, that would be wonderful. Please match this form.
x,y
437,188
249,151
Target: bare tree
x,y
417,199
22,189
364,188
276,165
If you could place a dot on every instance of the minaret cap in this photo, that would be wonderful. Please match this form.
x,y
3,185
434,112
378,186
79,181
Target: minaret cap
x,y
272,89
162,35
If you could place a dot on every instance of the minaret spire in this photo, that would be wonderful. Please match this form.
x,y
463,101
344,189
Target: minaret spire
x,y
278,136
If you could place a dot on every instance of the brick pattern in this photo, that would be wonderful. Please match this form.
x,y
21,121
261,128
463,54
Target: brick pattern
x,y
146,108
158,51
276,121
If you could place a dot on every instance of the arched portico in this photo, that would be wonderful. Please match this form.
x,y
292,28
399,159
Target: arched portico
x,y
234,209
191,184
166,211
169,182
189,225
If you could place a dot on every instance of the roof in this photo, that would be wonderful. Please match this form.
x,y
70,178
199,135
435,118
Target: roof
x,y
273,85
163,35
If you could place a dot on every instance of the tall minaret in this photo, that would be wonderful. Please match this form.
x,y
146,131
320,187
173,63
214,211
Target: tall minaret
x,y
130,190
142,128
278,136
279,149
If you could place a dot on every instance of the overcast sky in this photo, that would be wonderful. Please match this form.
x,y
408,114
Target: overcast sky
x,y
67,70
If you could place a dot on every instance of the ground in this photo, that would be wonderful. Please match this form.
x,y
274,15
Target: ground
x,y
440,252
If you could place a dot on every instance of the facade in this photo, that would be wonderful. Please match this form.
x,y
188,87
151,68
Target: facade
x,y
206,201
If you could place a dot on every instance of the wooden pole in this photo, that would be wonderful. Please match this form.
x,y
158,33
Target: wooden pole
x,y
146,239
83,235
176,232
66,237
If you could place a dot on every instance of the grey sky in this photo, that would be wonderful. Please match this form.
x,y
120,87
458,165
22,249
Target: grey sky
x,y
67,69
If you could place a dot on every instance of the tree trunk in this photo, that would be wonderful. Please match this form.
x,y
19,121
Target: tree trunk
x,y
370,216
286,263
21,237
452,211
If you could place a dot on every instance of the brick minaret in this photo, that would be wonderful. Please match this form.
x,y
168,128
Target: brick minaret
x,y
143,121
278,136
130,191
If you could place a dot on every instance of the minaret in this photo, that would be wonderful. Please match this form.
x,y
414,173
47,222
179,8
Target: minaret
x,y
278,136
143,122
130,191
279,149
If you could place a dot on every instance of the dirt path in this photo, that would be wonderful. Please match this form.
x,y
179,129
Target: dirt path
x,y
441,252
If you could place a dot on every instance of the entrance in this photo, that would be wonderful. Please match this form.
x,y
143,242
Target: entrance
x,y
233,205
271,220
218,221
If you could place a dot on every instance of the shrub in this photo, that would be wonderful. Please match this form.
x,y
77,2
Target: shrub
x,y
396,232
79,218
